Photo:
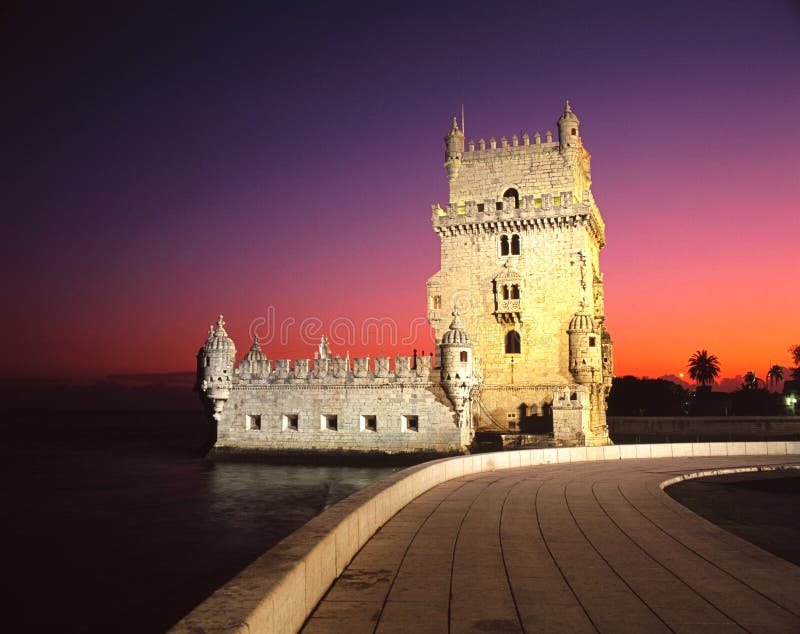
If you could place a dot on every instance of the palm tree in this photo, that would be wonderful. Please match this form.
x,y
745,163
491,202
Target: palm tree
x,y
703,367
750,382
774,375
795,352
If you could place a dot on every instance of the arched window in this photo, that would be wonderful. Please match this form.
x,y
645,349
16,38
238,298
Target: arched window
x,y
513,344
515,244
514,291
504,245
512,193
505,291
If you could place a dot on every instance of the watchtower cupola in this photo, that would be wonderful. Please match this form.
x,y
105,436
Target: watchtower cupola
x,y
456,357
569,133
584,349
215,362
454,150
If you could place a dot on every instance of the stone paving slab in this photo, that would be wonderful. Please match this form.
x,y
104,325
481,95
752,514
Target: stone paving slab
x,y
581,547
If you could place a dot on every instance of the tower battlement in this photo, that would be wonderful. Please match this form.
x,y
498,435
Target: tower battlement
x,y
519,167
544,211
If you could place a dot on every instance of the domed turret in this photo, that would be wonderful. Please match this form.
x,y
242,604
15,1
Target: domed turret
x,y
454,149
215,363
255,362
569,129
585,361
456,358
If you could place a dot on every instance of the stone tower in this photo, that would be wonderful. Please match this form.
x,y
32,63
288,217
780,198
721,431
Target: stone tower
x,y
520,242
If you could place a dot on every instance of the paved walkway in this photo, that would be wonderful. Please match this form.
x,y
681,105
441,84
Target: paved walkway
x,y
582,547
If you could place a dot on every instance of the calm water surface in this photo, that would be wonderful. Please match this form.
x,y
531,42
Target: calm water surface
x,y
113,519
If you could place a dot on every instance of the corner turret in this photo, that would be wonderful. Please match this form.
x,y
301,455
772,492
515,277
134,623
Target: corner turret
x,y
569,135
456,359
215,362
584,349
454,149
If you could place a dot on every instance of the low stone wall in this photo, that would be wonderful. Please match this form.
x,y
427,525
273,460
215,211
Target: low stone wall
x,y
389,406
278,591
702,428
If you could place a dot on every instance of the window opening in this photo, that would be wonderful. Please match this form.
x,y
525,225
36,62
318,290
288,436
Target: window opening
x,y
369,423
513,343
290,421
409,423
329,422
512,193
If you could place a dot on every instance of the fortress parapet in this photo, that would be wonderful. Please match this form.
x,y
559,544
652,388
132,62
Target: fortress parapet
x,y
535,212
333,371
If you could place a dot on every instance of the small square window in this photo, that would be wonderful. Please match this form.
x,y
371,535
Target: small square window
x,y
480,207
368,423
409,423
254,421
464,356
290,422
329,422
592,342
498,205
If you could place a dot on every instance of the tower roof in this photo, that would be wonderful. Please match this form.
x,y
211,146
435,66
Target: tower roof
x,y
255,353
454,129
581,322
218,340
456,334
568,114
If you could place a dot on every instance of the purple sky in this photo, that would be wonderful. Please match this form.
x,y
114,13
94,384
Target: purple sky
x,y
162,164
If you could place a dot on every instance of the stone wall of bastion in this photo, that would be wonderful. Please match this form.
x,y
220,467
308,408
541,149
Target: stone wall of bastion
x,y
377,408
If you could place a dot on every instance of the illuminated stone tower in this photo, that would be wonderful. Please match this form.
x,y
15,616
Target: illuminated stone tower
x,y
520,242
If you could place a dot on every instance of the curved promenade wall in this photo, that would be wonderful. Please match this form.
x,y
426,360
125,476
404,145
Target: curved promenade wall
x,y
278,591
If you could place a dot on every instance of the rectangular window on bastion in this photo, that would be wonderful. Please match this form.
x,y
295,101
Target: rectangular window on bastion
x,y
329,422
409,423
290,422
368,422
253,421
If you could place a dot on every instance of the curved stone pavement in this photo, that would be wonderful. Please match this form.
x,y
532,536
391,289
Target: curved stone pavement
x,y
581,547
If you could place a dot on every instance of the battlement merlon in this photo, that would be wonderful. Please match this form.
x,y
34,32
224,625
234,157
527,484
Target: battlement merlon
x,y
508,214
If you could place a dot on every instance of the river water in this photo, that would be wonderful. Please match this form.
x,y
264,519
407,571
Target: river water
x,y
113,521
